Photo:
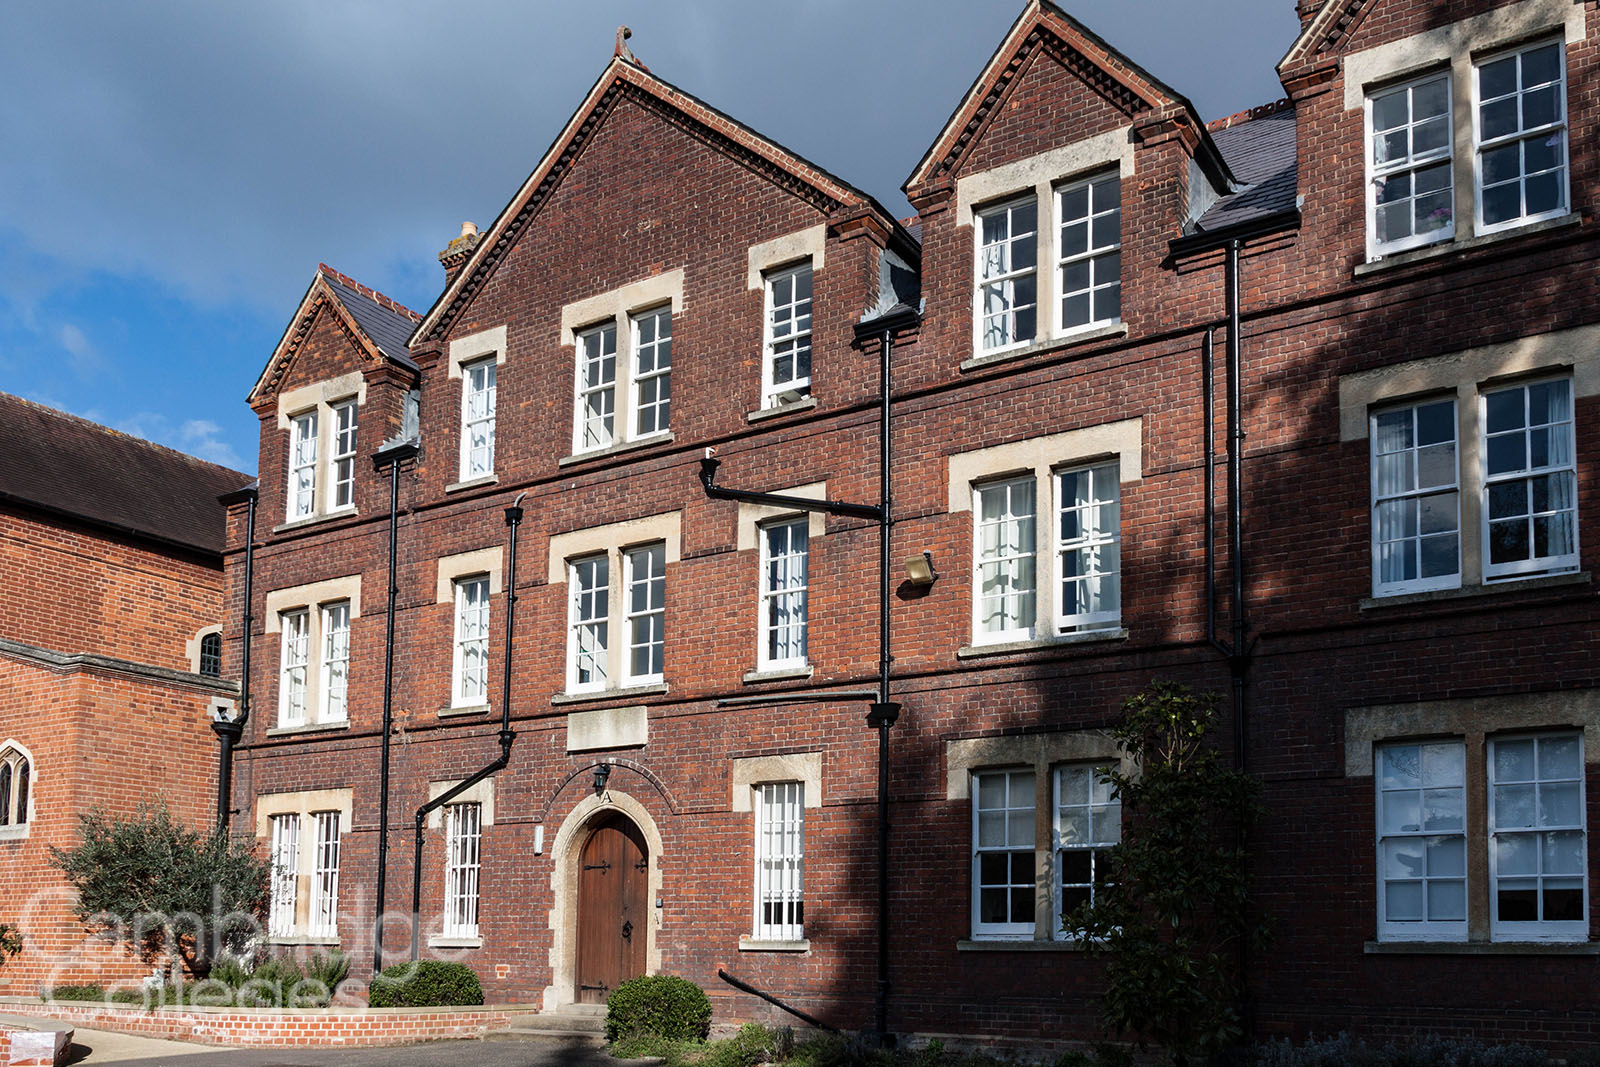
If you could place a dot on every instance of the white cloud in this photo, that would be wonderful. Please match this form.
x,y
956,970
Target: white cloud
x,y
86,359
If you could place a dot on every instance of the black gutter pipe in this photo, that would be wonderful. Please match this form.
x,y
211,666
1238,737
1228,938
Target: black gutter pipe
x,y
230,731
1239,661
775,1002
1208,393
393,457
500,762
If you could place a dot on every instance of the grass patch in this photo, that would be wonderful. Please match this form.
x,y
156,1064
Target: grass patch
x,y
755,1045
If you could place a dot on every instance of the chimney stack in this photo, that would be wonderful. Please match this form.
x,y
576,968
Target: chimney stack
x,y
458,251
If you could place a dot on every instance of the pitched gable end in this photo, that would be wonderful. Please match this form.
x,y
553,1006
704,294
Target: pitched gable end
x,y
624,80
1330,27
374,331
1042,29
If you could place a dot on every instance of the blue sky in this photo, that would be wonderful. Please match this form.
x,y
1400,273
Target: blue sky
x,y
175,169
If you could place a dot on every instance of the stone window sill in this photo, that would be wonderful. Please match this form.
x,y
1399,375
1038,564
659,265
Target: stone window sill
x,y
301,939
1066,340
310,728
473,483
1032,945
1481,948
1445,248
1468,592
14,833
612,450
312,520
805,403
455,942
750,944
627,693
463,712
1038,644
782,674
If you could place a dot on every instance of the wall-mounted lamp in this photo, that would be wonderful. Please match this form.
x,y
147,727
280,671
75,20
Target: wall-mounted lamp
x,y
602,775
919,569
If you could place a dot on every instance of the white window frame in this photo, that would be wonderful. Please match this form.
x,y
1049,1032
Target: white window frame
x,y
342,456
463,869
302,488
644,574
771,598
1479,146
589,607
659,349
334,676
1025,592
1417,493
796,322
1423,929
1533,566
1102,544
1008,277
1538,930
779,861
1012,931
471,632
1378,172
1092,254
479,401
294,672
285,874
1101,796
322,920
605,389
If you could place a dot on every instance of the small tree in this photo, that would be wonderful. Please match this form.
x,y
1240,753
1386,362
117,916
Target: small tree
x,y
1175,912
162,887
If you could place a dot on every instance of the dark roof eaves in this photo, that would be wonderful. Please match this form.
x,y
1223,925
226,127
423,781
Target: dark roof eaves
x,y
209,551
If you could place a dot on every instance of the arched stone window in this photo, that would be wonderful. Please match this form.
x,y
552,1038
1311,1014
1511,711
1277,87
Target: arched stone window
x,y
211,655
16,781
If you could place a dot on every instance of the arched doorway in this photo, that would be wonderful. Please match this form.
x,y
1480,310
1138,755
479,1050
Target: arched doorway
x,y
613,908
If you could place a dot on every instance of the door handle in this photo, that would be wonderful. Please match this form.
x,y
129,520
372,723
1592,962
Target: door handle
x,y
627,930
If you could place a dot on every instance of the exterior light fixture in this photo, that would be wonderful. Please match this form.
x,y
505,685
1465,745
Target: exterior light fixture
x,y
919,569
602,775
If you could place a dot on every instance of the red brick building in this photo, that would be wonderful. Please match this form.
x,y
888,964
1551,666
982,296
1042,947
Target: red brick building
x,y
111,612
692,786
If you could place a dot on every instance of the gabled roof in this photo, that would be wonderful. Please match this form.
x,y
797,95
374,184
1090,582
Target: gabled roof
x,y
1259,146
379,326
1044,25
624,79
65,465
1332,24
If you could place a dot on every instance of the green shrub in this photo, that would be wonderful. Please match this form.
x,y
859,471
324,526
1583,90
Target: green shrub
x,y
330,969
425,984
660,1004
230,972
271,984
76,992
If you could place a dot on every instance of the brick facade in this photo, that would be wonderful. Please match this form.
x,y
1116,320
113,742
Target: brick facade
x,y
645,182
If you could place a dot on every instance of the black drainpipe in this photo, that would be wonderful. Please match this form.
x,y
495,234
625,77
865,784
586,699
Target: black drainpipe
x,y
513,520
884,712
1239,661
229,731
392,457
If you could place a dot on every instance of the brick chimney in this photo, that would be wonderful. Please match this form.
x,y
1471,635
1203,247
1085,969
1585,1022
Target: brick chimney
x,y
458,251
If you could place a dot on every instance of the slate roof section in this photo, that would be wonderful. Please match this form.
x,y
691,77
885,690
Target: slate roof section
x,y
71,466
387,322
1259,147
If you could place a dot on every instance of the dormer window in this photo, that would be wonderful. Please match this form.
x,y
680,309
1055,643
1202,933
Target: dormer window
x,y
322,457
1090,213
1008,282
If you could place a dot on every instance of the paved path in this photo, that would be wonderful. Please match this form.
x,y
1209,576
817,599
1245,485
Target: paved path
x,y
95,1047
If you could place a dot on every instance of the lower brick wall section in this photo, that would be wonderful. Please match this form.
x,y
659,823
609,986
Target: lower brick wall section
x,y
265,1028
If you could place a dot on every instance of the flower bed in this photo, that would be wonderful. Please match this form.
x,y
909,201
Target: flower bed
x,y
346,1027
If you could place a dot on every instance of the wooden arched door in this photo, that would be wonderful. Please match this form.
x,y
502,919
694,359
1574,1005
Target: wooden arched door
x,y
613,908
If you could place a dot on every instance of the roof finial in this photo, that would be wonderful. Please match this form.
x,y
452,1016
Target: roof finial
x,y
622,50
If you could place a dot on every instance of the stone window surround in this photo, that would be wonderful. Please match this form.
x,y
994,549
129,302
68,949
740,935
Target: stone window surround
x,y
1464,375
1042,175
451,569
1041,753
16,831
787,250
1457,47
305,805
747,772
191,647
481,794
311,598
613,539
476,346
1473,720
1042,457
320,396
618,306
